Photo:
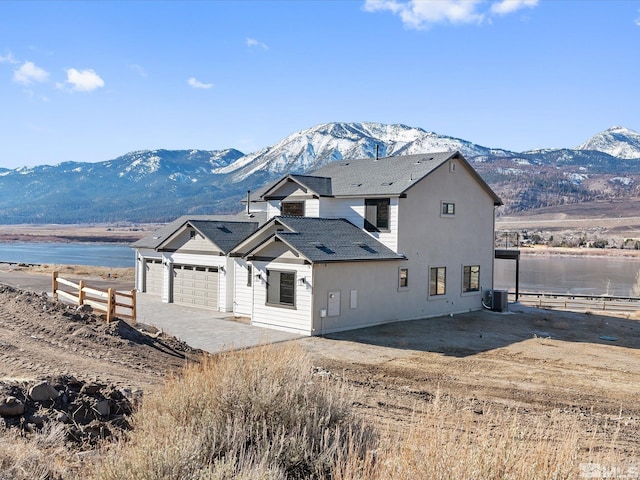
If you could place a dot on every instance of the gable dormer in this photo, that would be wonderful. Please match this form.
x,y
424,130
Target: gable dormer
x,y
296,195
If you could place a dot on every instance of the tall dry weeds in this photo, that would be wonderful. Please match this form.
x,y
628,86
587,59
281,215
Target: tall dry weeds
x,y
255,414
262,414
43,455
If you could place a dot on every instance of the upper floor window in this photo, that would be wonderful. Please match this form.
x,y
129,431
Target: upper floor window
x,y
376,214
471,278
448,208
293,209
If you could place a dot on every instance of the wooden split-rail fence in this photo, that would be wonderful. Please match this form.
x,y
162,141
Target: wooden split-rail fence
x,y
113,303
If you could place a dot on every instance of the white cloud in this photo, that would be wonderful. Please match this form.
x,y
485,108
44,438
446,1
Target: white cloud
x,y
29,73
421,14
193,82
252,42
8,58
505,7
138,69
82,80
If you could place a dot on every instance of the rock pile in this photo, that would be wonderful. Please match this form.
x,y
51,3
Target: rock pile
x,y
89,411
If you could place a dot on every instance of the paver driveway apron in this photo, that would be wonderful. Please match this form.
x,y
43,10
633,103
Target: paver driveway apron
x,y
202,328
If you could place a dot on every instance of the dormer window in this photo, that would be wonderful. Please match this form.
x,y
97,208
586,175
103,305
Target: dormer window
x,y
292,209
376,214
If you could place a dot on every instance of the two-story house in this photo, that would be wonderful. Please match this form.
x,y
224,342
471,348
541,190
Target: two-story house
x,y
357,243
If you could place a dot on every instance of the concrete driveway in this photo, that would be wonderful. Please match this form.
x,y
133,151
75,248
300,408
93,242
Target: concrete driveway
x,y
205,329
200,328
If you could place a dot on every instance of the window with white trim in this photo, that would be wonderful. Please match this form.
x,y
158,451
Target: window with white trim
x,y
471,278
281,288
437,281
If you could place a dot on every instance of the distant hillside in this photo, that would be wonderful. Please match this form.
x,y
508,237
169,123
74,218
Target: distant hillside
x,y
159,185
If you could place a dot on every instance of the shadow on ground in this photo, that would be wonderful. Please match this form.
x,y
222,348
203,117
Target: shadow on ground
x,y
475,332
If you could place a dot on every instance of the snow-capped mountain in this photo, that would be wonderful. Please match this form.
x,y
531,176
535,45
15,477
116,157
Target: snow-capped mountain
x,y
159,185
312,148
617,141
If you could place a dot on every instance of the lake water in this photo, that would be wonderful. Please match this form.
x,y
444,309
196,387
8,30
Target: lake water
x,y
94,254
580,274
543,273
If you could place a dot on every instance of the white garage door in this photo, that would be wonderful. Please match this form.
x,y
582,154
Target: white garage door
x,y
197,286
153,276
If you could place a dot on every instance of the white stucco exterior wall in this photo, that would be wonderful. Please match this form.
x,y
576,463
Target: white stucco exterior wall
x,y
429,239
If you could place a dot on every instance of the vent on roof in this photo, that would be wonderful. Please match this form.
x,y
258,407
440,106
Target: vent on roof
x,y
365,247
344,164
419,161
386,184
356,184
322,247
220,226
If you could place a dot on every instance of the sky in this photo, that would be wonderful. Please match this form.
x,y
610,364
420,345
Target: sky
x,y
89,81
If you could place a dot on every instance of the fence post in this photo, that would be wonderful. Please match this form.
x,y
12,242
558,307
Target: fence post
x,y
111,305
54,285
133,306
81,292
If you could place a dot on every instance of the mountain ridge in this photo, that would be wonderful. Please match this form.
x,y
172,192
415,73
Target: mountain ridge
x,y
159,185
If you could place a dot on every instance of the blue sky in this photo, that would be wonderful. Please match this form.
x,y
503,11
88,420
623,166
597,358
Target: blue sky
x,y
89,81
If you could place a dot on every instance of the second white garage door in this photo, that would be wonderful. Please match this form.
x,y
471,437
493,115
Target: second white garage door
x,y
197,286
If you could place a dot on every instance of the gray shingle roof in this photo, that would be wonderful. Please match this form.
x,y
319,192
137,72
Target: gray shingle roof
x,y
225,235
238,227
385,176
318,184
371,177
323,240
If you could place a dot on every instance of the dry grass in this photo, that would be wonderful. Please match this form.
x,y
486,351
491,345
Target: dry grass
x,y
43,455
255,414
482,443
262,414
124,274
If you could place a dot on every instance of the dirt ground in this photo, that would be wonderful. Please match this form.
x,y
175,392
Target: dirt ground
x,y
41,339
535,361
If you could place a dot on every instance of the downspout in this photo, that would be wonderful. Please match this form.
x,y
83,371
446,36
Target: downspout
x,y
493,250
248,202
314,300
